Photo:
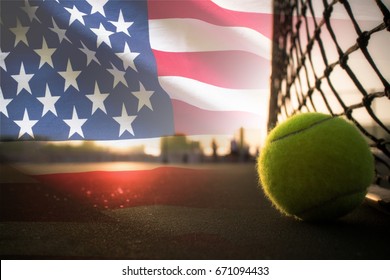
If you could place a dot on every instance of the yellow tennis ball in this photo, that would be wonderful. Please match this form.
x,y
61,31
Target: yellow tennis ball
x,y
315,167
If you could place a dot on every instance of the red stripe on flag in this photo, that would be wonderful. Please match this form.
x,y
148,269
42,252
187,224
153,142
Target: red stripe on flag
x,y
228,69
211,13
210,122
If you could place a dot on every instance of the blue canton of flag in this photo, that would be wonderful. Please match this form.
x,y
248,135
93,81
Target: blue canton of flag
x,y
75,70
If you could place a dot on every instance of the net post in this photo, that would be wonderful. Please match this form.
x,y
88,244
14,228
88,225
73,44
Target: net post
x,y
281,22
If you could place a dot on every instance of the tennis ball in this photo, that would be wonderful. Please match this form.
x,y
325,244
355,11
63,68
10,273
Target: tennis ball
x,y
315,167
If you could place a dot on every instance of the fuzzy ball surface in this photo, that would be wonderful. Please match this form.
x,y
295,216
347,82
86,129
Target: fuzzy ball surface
x,y
315,167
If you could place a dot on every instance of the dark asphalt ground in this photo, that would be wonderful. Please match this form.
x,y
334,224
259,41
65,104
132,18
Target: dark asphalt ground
x,y
224,216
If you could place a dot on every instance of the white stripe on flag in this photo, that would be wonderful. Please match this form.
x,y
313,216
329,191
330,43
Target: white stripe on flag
x,y
250,6
215,98
191,35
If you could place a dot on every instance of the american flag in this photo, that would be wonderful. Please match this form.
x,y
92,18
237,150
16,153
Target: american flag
x,y
107,70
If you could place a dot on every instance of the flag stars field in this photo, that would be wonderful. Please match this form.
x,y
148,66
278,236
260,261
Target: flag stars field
x,y
97,6
20,32
3,56
70,76
125,122
97,99
97,46
75,14
45,54
128,57
48,102
4,103
61,33
143,97
119,76
26,125
90,54
23,80
122,25
75,124
30,11
103,35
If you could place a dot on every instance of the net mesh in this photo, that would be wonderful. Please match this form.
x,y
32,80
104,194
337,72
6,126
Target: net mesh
x,y
333,57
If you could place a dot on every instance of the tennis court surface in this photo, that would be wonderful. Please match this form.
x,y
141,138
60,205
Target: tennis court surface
x,y
170,212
